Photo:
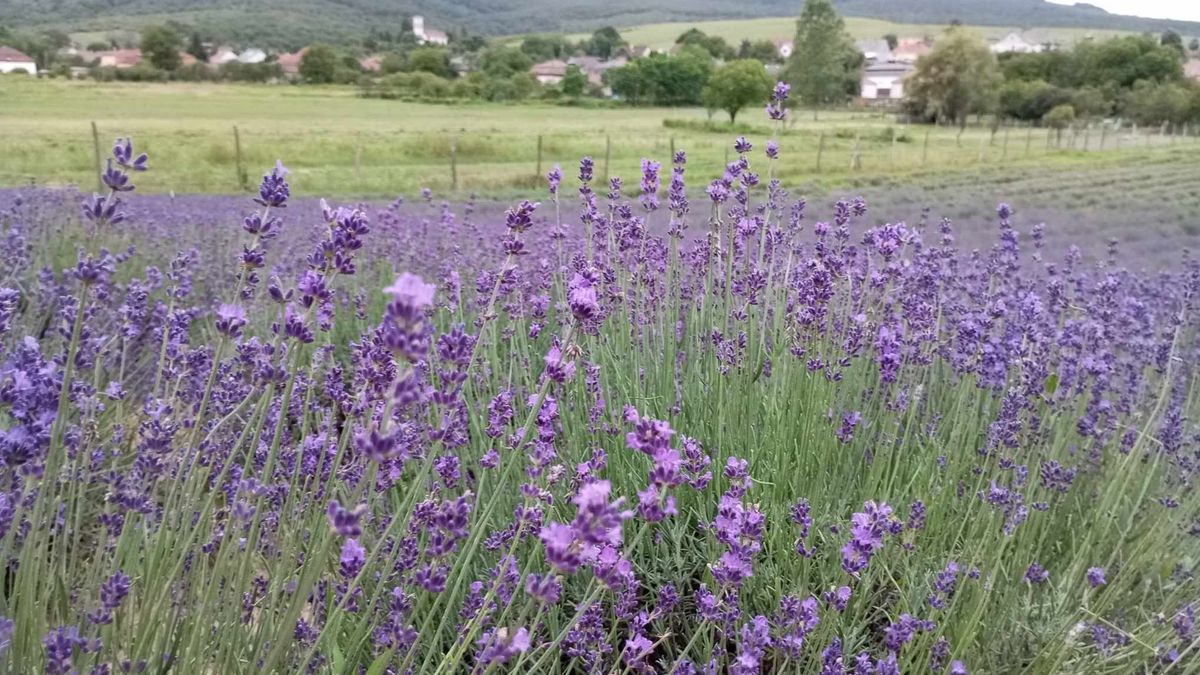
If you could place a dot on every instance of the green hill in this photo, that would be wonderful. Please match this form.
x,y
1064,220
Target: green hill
x,y
290,23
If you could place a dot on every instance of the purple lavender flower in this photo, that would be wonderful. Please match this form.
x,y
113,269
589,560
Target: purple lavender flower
x,y
866,536
230,320
343,521
274,190
498,645
61,644
1036,574
1095,577
354,556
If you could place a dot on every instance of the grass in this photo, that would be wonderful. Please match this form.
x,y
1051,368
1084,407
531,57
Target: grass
x,y
339,144
663,35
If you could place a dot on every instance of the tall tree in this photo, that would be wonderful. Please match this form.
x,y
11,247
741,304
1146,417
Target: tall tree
x,y
604,43
319,64
821,61
957,78
196,48
160,45
737,85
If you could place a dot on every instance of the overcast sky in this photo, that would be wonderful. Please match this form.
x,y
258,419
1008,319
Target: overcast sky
x,y
1159,9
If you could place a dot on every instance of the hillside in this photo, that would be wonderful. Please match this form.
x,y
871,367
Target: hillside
x,y
663,35
289,23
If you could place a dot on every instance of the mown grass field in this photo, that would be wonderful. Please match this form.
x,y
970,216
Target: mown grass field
x,y
337,143
663,35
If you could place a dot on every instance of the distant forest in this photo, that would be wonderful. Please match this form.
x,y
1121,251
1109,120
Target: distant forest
x,y
293,23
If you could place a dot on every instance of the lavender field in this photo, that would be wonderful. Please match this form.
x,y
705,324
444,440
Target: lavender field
x,y
674,424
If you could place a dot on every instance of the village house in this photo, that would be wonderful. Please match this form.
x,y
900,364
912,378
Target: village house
x,y
119,58
875,51
252,55
884,82
1191,70
13,61
909,50
289,64
1013,43
549,72
428,36
222,56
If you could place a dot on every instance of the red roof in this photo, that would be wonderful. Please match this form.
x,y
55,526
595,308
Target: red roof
x,y
8,54
1191,70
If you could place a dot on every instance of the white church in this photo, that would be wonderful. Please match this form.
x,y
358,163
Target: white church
x,y
428,36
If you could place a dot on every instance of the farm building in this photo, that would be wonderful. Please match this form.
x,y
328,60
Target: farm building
x,y
428,36
13,61
884,82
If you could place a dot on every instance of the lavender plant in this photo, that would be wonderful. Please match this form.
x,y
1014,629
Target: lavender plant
x,y
720,436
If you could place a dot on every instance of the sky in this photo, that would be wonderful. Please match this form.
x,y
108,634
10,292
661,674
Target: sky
x,y
1188,10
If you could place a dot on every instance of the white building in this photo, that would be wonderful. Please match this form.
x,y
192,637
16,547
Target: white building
x,y
884,82
428,36
252,55
1013,43
12,61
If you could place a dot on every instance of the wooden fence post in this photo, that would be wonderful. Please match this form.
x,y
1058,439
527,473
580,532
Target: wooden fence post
x,y
607,156
99,166
925,148
243,179
893,155
820,150
454,164
538,172
672,149
1103,134
1004,147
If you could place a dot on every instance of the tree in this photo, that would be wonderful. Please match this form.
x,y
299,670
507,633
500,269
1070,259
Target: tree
x,y
574,81
715,45
196,48
1194,45
761,50
957,78
319,65
822,58
501,61
891,40
546,47
737,85
1171,39
663,79
604,43
435,60
160,45
1060,117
